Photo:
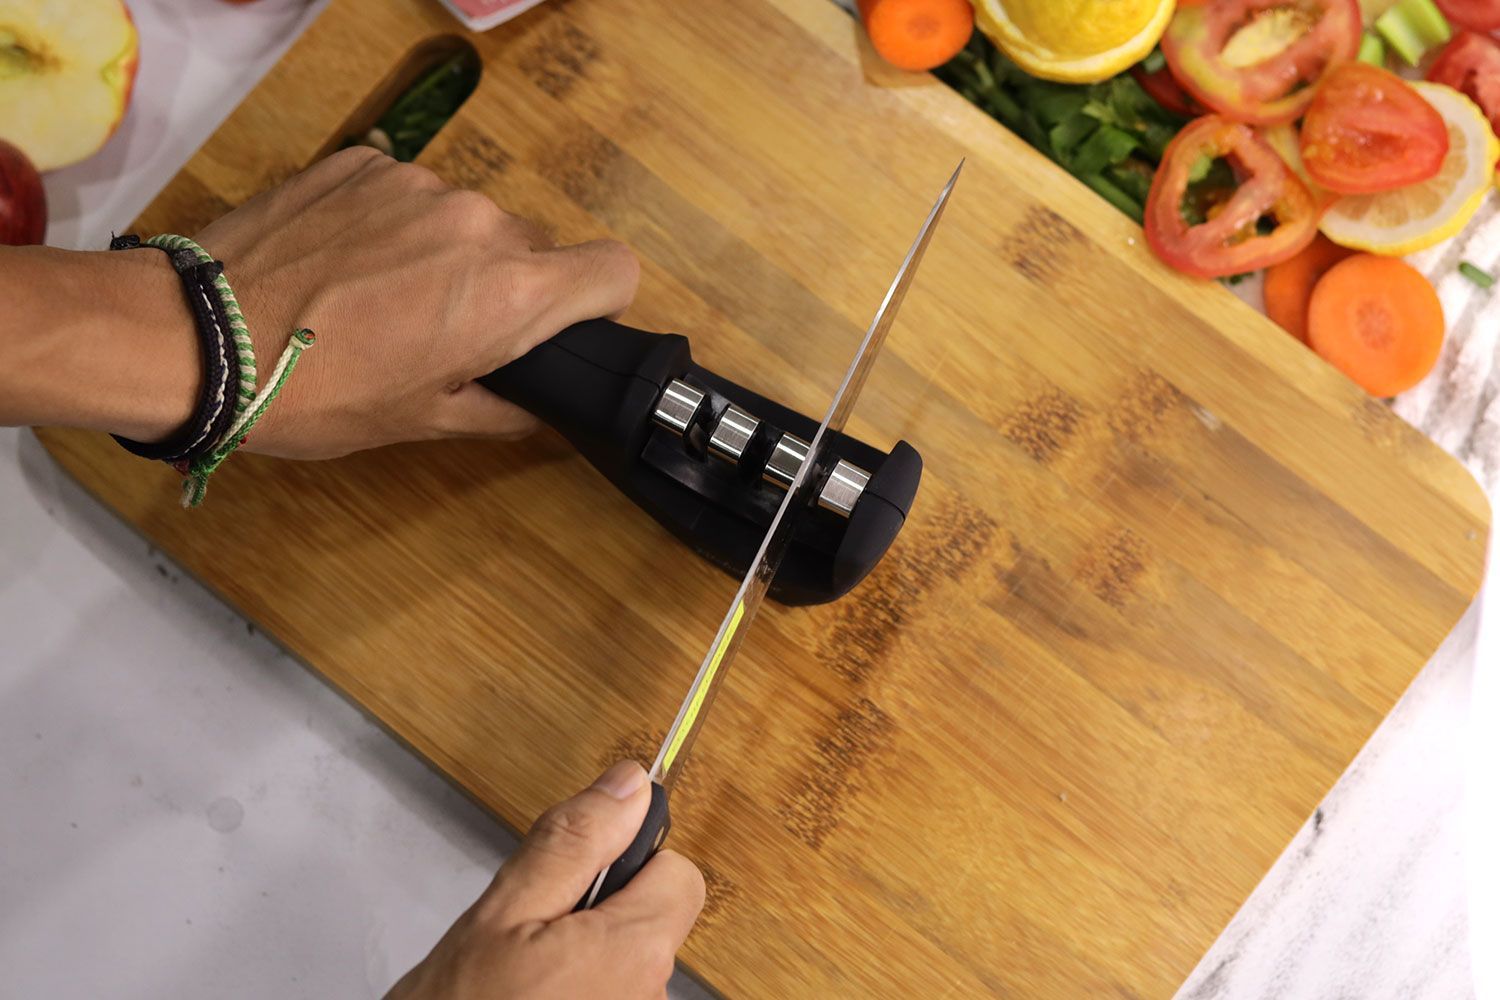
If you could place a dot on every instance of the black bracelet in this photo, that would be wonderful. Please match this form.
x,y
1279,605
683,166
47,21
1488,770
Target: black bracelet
x,y
221,363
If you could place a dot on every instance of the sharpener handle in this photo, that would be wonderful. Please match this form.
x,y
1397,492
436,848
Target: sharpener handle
x,y
597,383
648,839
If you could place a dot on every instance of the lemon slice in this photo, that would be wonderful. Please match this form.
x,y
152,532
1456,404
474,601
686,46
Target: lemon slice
x,y
1076,41
1413,218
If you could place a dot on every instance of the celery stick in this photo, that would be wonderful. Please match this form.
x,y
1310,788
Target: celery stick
x,y
1412,27
1372,50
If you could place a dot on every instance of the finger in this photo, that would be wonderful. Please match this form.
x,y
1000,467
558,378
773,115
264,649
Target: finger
x,y
568,846
661,903
474,411
583,282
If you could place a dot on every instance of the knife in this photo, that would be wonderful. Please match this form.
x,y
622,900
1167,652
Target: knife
x,y
814,475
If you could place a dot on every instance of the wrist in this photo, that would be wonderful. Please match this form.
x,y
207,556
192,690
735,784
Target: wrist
x,y
103,341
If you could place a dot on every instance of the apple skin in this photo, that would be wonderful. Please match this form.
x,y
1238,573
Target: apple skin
x,y
23,202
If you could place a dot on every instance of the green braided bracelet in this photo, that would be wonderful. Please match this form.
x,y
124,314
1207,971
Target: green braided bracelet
x,y
249,406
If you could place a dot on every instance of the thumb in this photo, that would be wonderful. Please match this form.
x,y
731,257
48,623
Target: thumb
x,y
569,845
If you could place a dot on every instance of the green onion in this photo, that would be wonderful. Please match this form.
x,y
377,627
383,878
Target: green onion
x,y
1115,196
1412,27
1372,50
1478,275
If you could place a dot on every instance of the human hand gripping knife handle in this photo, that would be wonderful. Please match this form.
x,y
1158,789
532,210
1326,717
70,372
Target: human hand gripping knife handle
x,y
794,506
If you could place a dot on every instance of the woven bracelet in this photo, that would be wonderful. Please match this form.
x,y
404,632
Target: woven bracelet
x,y
223,368
229,406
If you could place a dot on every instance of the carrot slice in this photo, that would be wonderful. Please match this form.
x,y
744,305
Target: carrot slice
x,y
917,34
1289,285
1377,320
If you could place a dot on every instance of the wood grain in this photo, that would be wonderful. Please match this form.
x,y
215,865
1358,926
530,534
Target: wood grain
x,y
1166,574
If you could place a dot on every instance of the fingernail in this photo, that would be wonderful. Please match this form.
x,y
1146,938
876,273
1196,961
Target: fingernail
x,y
622,781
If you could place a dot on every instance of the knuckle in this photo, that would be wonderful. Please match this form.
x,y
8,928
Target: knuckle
x,y
612,261
564,829
356,156
413,176
695,889
621,258
530,286
469,213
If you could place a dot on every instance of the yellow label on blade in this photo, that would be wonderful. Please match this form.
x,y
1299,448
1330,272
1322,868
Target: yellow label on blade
x,y
691,717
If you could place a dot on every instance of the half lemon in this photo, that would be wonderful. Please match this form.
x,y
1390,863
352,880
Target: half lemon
x,y
1076,41
1412,218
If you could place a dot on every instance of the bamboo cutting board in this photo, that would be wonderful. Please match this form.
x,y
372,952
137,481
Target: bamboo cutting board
x,y
1166,573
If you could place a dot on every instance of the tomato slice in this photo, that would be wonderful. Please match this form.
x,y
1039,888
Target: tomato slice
x,y
1470,64
1477,15
1259,61
1368,130
1163,88
1231,240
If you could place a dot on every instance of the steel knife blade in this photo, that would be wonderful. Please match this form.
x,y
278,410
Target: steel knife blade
x,y
752,590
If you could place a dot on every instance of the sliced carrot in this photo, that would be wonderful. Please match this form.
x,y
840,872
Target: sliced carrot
x,y
917,34
1289,285
1377,320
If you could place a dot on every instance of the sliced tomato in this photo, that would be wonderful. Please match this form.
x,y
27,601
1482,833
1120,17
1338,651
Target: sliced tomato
x,y
1258,61
1470,64
1163,88
1477,15
1233,239
1368,130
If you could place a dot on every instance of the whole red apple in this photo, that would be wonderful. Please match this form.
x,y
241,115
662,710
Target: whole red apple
x,y
23,203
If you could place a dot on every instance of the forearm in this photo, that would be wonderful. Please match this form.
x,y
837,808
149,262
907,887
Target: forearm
x,y
102,341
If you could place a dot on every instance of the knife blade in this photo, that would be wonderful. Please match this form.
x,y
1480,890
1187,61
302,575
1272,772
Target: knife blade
x,y
752,590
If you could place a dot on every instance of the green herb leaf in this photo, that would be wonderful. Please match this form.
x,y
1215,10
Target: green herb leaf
x,y
1133,177
1058,106
1106,147
1065,138
1111,135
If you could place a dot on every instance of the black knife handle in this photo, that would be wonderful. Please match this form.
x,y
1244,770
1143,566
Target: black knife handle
x,y
648,840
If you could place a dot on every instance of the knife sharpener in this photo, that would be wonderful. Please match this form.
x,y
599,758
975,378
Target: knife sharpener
x,y
711,460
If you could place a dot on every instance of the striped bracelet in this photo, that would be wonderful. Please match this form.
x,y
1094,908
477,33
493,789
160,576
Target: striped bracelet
x,y
229,405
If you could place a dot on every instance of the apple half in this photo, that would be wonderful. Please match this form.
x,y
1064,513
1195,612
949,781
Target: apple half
x,y
66,71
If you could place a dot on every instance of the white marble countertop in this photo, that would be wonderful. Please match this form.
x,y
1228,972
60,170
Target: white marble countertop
x,y
187,811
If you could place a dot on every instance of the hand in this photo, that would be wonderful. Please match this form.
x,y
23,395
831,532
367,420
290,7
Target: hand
x,y
413,289
520,941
